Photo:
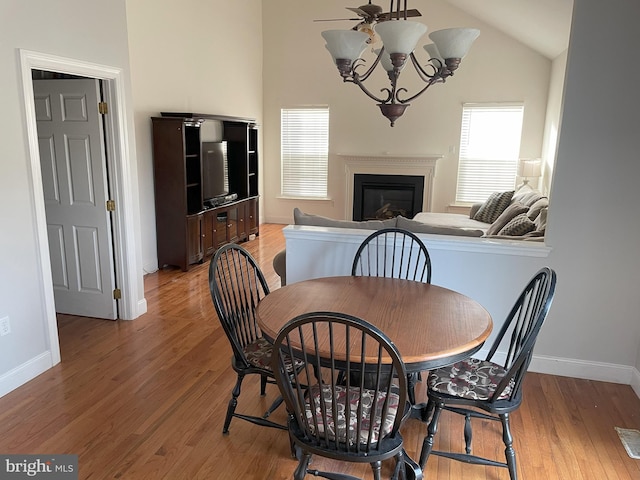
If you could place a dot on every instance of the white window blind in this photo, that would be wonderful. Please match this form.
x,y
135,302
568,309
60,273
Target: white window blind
x,y
305,152
489,150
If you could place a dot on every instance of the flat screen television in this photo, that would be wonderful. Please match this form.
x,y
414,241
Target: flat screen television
x,y
215,172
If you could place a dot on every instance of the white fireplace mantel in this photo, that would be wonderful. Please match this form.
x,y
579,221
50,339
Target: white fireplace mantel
x,y
424,165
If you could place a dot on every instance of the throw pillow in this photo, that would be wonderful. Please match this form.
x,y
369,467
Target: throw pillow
x,y
534,210
527,197
519,225
516,208
493,206
419,227
541,221
301,218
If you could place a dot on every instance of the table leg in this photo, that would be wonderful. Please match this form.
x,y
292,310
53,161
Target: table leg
x,y
421,411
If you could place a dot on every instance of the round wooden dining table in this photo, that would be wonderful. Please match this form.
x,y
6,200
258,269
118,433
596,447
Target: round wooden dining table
x,y
430,325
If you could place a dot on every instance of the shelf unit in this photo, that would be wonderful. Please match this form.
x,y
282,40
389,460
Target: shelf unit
x,y
188,232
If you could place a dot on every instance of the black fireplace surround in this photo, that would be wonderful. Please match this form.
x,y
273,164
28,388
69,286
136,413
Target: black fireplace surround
x,y
378,197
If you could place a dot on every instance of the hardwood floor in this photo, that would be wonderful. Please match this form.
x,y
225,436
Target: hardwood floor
x,y
146,399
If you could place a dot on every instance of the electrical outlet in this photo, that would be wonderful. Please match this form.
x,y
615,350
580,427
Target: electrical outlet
x,y
5,326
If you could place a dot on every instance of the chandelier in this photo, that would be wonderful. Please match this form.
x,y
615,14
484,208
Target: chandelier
x,y
399,38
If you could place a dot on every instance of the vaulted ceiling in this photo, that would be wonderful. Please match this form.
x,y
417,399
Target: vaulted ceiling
x,y
542,25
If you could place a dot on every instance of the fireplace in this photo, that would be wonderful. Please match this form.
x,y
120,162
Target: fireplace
x,y
378,197
388,165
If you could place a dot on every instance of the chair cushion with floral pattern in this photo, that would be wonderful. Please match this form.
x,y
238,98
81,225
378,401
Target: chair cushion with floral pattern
x,y
472,378
380,428
258,354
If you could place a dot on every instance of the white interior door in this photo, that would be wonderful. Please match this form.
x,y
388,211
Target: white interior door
x,y
72,158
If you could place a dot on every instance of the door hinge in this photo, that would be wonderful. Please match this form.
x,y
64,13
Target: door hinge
x,y
117,294
111,205
103,109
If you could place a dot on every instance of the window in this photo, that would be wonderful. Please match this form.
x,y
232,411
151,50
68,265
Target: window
x,y
305,152
489,150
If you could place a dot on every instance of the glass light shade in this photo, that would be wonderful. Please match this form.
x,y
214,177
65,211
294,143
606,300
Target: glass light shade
x,y
385,60
327,47
400,36
454,42
433,52
345,44
529,167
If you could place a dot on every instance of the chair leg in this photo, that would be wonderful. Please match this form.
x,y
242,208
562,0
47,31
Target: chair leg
x,y
263,385
376,467
427,444
427,411
233,403
276,403
468,433
399,467
303,464
509,452
293,447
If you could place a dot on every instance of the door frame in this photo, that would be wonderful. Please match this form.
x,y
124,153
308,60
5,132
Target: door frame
x,y
119,170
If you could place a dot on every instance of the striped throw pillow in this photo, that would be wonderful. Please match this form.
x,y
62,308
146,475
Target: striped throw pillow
x,y
493,206
519,225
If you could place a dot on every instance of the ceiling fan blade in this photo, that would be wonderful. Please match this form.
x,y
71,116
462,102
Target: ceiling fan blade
x,y
338,20
410,13
357,10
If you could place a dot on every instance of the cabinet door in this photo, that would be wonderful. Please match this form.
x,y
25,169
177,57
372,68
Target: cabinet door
x,y
232,224
242,223
208,233
194,238
220,227
251,216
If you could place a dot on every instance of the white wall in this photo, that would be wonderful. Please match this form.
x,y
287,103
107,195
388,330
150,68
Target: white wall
x,y
552,122
42,26
299,71
190,56
592,221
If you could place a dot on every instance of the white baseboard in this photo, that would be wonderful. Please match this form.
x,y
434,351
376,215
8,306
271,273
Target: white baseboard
x,y
635,381
25,372
150,267
142,307
568,367
288,220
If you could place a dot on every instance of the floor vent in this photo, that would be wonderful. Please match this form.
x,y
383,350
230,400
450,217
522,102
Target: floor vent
x,y
631,441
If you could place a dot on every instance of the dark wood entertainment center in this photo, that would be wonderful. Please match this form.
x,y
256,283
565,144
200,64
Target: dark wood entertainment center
x,y
187,230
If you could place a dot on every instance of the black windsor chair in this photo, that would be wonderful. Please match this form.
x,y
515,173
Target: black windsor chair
x,y
352,422
472,387
237,285
389,252
394,253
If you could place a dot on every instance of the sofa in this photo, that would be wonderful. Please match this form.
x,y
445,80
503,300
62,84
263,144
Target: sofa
x,y
507,215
